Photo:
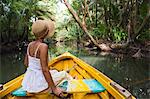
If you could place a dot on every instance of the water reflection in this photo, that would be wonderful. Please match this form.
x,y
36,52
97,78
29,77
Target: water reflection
x,y
131,73
11,66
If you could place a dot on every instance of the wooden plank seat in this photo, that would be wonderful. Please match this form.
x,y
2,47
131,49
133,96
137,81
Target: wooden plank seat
x,y
72,86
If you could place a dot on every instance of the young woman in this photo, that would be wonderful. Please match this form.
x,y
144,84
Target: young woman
x,y
37,78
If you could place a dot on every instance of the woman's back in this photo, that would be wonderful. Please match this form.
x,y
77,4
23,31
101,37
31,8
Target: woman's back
x,y
33,55
32,49
34,73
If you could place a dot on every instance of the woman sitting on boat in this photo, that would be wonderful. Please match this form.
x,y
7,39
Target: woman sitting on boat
x,y
37,78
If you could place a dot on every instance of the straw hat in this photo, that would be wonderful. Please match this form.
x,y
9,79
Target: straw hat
x,y
43,28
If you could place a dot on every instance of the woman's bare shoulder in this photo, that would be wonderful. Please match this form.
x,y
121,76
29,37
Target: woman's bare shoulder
x,y
44,46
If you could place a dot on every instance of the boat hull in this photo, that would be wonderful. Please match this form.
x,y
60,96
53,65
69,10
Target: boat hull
x,y
79,70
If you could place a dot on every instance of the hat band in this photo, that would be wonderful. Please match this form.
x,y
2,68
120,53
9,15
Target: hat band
x,y
45,34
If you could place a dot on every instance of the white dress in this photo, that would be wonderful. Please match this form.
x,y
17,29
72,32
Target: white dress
x,y
34,80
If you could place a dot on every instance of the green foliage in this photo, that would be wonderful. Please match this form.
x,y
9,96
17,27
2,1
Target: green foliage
x,y
100,31
114,11
15,19
17,16
74,31
143,9
104,21
76,4
119,34
144,36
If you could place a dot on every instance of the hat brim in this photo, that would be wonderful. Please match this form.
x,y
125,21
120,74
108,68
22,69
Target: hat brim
x,y
51,28
43,28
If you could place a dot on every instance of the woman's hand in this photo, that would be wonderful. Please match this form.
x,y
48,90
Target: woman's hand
x,y
58,92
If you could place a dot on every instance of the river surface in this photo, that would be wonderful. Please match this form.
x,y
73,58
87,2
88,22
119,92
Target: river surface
x,y
132,74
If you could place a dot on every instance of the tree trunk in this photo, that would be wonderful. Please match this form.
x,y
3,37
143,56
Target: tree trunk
x,y
131,18
145,21
129,32
81,24
96,14
105,15
135,14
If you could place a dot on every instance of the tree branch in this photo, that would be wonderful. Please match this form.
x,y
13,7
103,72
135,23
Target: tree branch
x,y
83,26
145,21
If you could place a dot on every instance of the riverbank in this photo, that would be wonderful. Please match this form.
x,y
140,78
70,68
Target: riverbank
x,y
136,50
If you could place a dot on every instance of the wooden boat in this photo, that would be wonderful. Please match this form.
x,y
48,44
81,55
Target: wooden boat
x,y
81,70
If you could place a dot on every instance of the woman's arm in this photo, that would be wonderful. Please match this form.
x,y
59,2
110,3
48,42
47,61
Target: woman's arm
x,y
26,60
44,64
45,70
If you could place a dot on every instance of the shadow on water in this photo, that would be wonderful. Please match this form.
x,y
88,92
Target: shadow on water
x,y
132,74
